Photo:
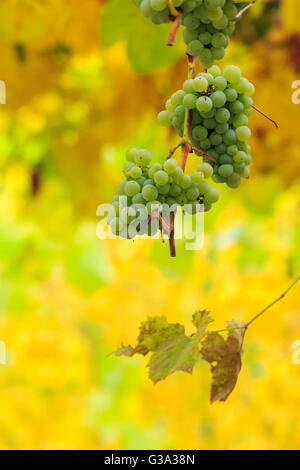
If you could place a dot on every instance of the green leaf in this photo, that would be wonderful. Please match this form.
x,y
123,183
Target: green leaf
x,y
146,43
178,352
172,349
118,21
224,356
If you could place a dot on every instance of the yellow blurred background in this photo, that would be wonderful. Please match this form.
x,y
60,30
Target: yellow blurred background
x,y
84,82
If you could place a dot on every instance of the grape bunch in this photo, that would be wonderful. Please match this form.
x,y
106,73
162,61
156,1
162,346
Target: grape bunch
x,y
219,106
208,24
148,190
208,27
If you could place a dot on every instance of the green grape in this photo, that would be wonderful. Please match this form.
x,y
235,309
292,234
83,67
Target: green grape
x,y
189,101
215,71
164,118
205,38
239,157
229,138
232,150
191,22
138,199
218,98
195,47
236,107
132,188
143,158
163,190
222,115
206,58
170,166
206,169
225,170
177,97
130,154
186,182
222,128
243,133
240,120
219,40
161,178
189,36
200,84
232,74
149,192
135,172
220,83
203,187
211,196
121,188
215,139
199,133
192,193
225,159
204,104
197,177
158,5
175,190
188,86
153,169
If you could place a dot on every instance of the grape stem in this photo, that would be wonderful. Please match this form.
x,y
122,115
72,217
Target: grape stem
x,y
244,10
173,150
186,147
246,326
174,29
267,117
172,9
172,236
205,155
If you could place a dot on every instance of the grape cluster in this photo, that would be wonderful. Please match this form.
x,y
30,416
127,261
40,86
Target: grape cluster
x,y
208,28
219,106
208,24
148,189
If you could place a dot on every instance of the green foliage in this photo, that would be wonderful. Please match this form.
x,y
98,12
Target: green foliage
x,y
174,351
122,21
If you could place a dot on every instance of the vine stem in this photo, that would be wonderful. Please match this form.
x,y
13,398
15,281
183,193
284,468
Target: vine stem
x,y
172,236
174,29
274,302
246,326
186,147
172,9
267,117
244,10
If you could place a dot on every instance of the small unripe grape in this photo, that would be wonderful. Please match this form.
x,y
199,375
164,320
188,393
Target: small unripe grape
x,y
206,169
164,118
243,133
170,166
161,178
132,188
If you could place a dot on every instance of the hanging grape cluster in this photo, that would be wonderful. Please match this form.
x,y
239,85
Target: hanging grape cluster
x,y
148,190
219,106
208,23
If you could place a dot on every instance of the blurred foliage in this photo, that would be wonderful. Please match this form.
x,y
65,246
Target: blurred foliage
x,y
75,103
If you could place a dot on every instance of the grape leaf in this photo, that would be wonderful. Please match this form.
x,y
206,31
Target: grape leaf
x,y
123,21
224,356
172,349
178,352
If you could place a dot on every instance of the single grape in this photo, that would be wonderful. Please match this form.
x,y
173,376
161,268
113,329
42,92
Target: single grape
x,y
161,178
149,192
